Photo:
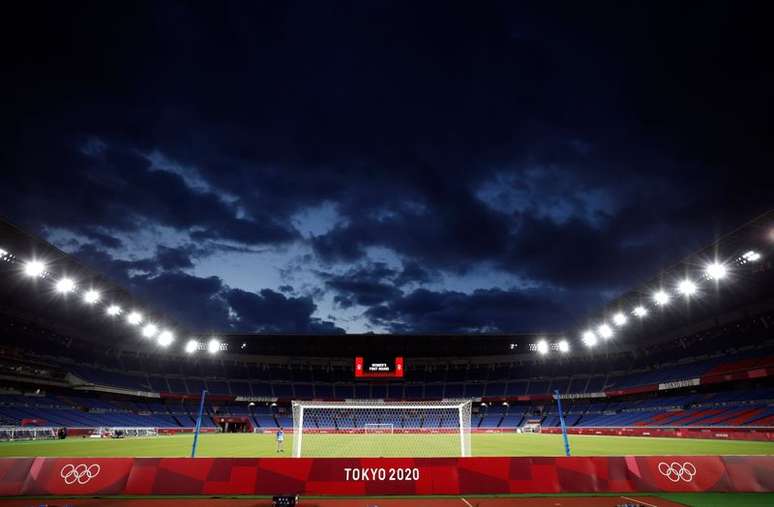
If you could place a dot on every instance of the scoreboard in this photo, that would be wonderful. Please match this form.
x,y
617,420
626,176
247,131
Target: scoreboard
x,y
379,367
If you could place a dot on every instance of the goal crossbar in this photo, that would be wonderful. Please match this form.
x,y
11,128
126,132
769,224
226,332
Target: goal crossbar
x,y
380,406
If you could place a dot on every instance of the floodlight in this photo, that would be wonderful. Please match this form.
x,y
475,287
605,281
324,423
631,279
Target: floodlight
x,y
150,330
213,346
134,318
605,331
252,404
542,347
687,288
640,311
165,338
34,269
91,297
563,346
619,319
65,286
751,256
3,253
114,310
589,338
661,298
716,271
192,346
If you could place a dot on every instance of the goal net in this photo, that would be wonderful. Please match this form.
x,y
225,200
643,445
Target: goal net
x,y
378,428
531,426
121,432
27,432
374,429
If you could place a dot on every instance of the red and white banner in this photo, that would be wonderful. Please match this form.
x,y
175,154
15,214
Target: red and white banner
x,y
386,476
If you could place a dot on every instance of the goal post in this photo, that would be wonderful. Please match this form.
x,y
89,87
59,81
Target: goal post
x,y
381,429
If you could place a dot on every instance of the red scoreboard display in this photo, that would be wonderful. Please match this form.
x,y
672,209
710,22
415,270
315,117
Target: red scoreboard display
x,y
378,367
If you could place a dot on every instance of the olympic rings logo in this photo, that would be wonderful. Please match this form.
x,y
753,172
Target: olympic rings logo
x,y
677,472
80,473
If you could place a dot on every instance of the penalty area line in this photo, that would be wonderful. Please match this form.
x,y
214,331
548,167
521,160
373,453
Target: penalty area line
x,y
466,502
646,504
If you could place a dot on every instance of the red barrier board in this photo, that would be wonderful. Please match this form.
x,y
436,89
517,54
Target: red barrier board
x,y
680,432
374,476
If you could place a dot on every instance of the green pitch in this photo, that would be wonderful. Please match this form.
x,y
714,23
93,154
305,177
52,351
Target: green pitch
x,y
484,444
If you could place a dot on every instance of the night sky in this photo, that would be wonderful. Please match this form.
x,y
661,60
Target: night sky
x,y
384,166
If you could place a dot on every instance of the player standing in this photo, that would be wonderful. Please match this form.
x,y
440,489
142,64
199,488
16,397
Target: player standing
x,y
280,437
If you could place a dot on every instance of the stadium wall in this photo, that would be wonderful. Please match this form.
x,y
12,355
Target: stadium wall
x,y
373,476
764,435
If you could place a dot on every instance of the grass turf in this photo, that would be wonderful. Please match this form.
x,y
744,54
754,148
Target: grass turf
x,y
483,444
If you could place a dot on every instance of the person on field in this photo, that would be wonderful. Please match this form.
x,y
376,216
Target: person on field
x,y
280,437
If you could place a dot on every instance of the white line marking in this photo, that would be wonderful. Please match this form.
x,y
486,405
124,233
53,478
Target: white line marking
x,y
639,501
466,502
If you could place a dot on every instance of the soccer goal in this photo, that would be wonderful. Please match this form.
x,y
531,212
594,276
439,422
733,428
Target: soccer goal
x,y
376,428
121,432
381,429
531,426
27,433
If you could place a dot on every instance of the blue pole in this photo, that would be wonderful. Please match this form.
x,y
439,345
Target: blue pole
x,y
198,424
561,422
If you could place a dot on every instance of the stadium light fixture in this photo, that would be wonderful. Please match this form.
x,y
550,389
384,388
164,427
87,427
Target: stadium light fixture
x,y
213,346
34,269
661,298
563,346
91,297
3,253
134,318
619,319
687,288
65,286
605,331
589,338
751,256
114,310
715,271
542,347
640,311
192,346
166,338
150,330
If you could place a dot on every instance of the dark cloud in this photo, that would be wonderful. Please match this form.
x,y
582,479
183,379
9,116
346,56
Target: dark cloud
x,y
366,286
579,148
270,311
175,294
201,304
173,258
103,239
492,310
413,272
119,190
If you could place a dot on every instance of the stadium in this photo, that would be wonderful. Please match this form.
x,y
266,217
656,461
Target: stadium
x,y
386,253
667,392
